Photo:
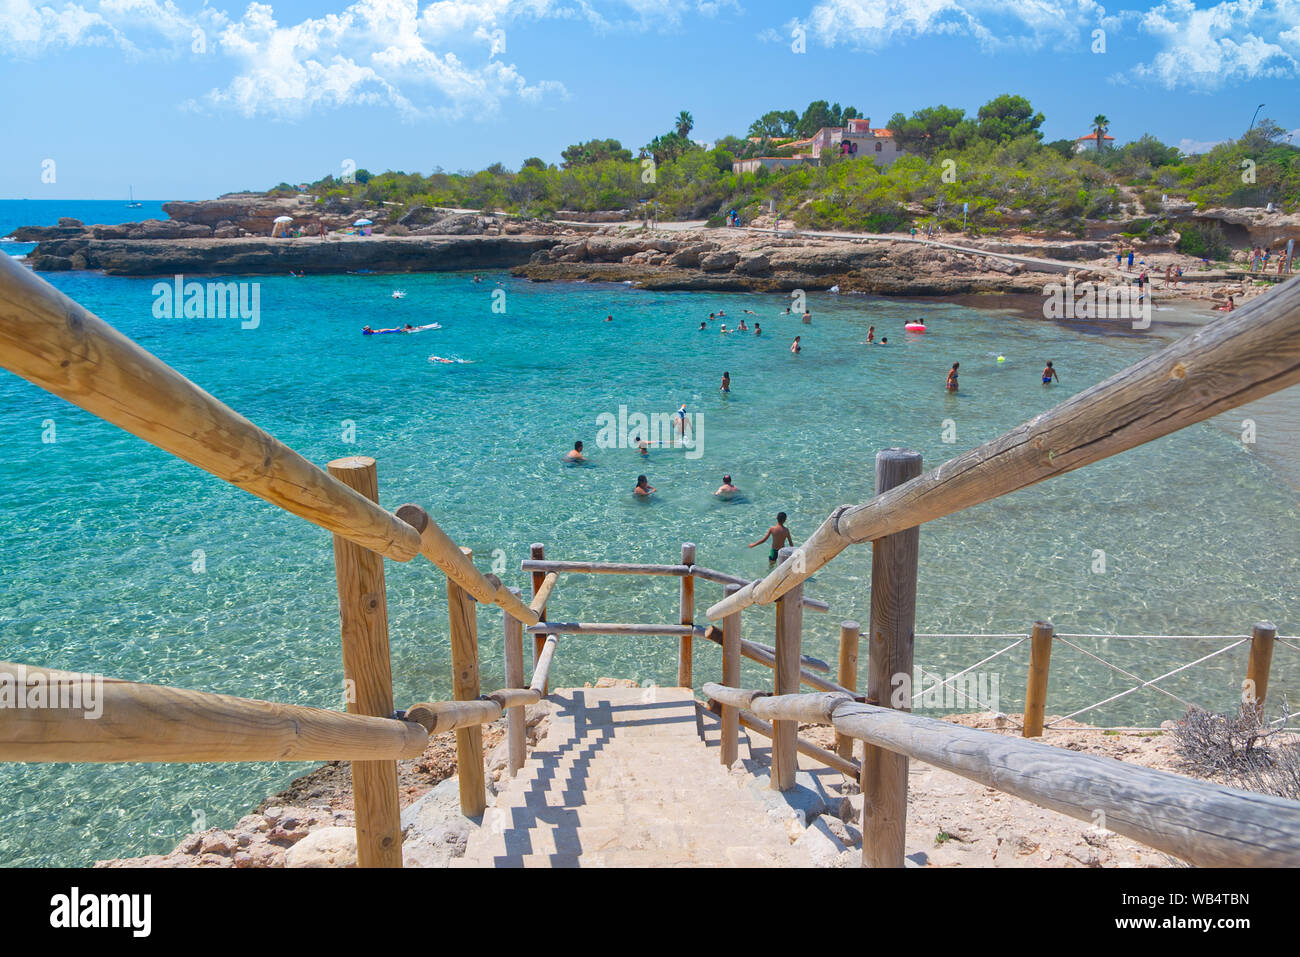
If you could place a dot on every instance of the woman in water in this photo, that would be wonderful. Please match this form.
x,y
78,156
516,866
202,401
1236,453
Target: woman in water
x,y
952,378
871,333
643,486
795,347
1049,374
726,382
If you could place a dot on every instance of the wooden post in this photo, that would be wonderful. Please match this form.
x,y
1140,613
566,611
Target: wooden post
x,y
789,638
462,610
889,669
538,551
730,749
850,633
688,617
1040,657
368,674
516,723
1255,687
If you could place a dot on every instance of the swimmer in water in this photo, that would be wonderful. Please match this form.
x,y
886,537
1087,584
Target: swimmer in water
x,y
871,333
780,536
643,486
795,347
742,327
726,488
576,454
609,318
951,385
758,330
1049,374
366,330
884,341
724,330
726,382
408,327
807,316
703,325
642,446
712,316
750,312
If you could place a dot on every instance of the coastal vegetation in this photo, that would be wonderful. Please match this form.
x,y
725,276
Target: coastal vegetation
x,y
989,171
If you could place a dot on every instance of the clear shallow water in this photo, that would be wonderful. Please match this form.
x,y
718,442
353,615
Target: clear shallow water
x,y
98,530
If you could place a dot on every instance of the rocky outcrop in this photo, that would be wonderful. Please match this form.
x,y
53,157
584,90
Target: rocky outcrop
x,y
1255,226
749,261
264,256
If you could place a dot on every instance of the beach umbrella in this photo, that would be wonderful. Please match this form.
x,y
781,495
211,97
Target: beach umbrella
x,y
363,222
284,219
280,222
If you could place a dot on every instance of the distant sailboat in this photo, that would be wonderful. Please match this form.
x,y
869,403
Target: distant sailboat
x,y
131,203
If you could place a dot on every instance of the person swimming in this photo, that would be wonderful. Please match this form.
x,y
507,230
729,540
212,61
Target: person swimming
x,y
642,446
795,347
884,341
951,384
726,488
742,327
780,536
575,455
726,382
643,486
758,330
871,333
609,318
704,325
1049,374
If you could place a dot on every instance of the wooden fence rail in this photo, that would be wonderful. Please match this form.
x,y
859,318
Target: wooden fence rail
x,y
1249,354
1206,824
151,723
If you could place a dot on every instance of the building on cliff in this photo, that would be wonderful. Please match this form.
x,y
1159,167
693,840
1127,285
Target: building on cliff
x,y
857,139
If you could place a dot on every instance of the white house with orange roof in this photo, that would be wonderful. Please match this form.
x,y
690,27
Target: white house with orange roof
x,y
1089,142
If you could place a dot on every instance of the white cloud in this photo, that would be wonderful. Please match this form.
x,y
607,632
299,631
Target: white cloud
x,y
1198,146
993,24
1206,48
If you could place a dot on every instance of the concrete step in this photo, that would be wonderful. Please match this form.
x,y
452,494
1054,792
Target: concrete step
x,y
624,778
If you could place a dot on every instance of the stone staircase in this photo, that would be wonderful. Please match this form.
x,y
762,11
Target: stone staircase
x,y
624,778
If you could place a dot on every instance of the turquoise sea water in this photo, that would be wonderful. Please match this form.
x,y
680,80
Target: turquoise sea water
x,y
99,531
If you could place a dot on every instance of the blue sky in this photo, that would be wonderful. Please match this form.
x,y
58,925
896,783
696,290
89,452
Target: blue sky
x,y
186,99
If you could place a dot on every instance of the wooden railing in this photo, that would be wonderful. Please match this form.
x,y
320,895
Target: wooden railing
x,y
56,344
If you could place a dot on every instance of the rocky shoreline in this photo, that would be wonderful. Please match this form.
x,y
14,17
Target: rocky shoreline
x,y
230,236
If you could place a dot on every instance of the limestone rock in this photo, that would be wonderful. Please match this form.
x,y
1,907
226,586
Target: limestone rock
x,y
327,847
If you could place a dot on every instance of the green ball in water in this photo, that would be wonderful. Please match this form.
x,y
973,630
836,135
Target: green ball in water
x,y
1002,358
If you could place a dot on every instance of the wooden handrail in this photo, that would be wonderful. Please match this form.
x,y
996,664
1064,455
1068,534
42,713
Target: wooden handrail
x,y
1206,824
604,568
747,719
723,578
610,628
1234,360
765,656
53,342
437,547
542,669
538,604
152,723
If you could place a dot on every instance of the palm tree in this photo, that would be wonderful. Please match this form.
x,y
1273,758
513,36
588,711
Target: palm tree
x,y
1100,124
685,123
